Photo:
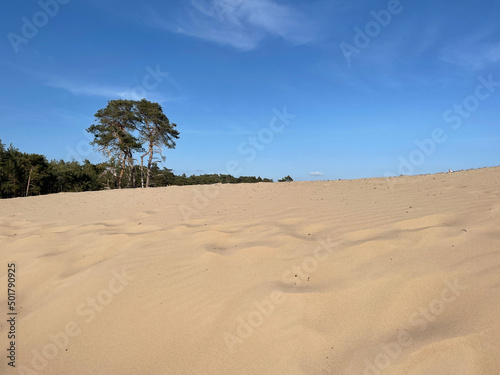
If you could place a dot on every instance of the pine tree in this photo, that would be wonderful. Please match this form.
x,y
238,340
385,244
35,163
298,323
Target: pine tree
x,y
114,134
156,131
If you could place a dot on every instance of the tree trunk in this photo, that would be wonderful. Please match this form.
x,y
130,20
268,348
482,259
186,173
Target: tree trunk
x,y
29,181
150,162
131,177
122,171
133,170
142,169
129,182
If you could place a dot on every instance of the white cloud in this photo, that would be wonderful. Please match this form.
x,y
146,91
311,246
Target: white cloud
x,y
475,58
316,173
110,92
473,52
240,23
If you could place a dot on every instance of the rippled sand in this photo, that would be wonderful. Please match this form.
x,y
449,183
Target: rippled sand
x,y
370,276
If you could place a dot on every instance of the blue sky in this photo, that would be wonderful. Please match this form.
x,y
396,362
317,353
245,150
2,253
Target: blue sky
x,y
355,83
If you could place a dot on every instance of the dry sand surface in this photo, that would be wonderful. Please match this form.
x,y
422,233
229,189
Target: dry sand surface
x,y
338,277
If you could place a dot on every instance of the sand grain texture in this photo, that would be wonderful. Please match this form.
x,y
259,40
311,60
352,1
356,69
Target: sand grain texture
x,y
383,273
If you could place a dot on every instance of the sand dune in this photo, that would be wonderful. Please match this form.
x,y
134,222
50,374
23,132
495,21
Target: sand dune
x,y
370,276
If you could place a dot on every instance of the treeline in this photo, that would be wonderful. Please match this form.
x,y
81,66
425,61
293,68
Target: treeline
x,y
125,131
23,174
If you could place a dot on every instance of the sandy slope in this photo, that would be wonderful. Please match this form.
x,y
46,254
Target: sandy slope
x,y
341,277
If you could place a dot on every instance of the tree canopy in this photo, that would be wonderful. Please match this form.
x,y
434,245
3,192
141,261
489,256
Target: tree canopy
x,y
125,127
286,179
155,130
113,134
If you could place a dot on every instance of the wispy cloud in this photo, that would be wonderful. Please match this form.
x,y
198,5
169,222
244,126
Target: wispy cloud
x,y
475,52
476,58
316,173
106,91
242,24
225,130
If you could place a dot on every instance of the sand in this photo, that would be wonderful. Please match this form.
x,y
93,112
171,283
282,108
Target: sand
x,y
369,276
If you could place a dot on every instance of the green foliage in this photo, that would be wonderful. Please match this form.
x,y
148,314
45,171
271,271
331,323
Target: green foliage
x,y
113,134
155,130
154,126
165,177
124,127
73,177
113,131
286,179
16,168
